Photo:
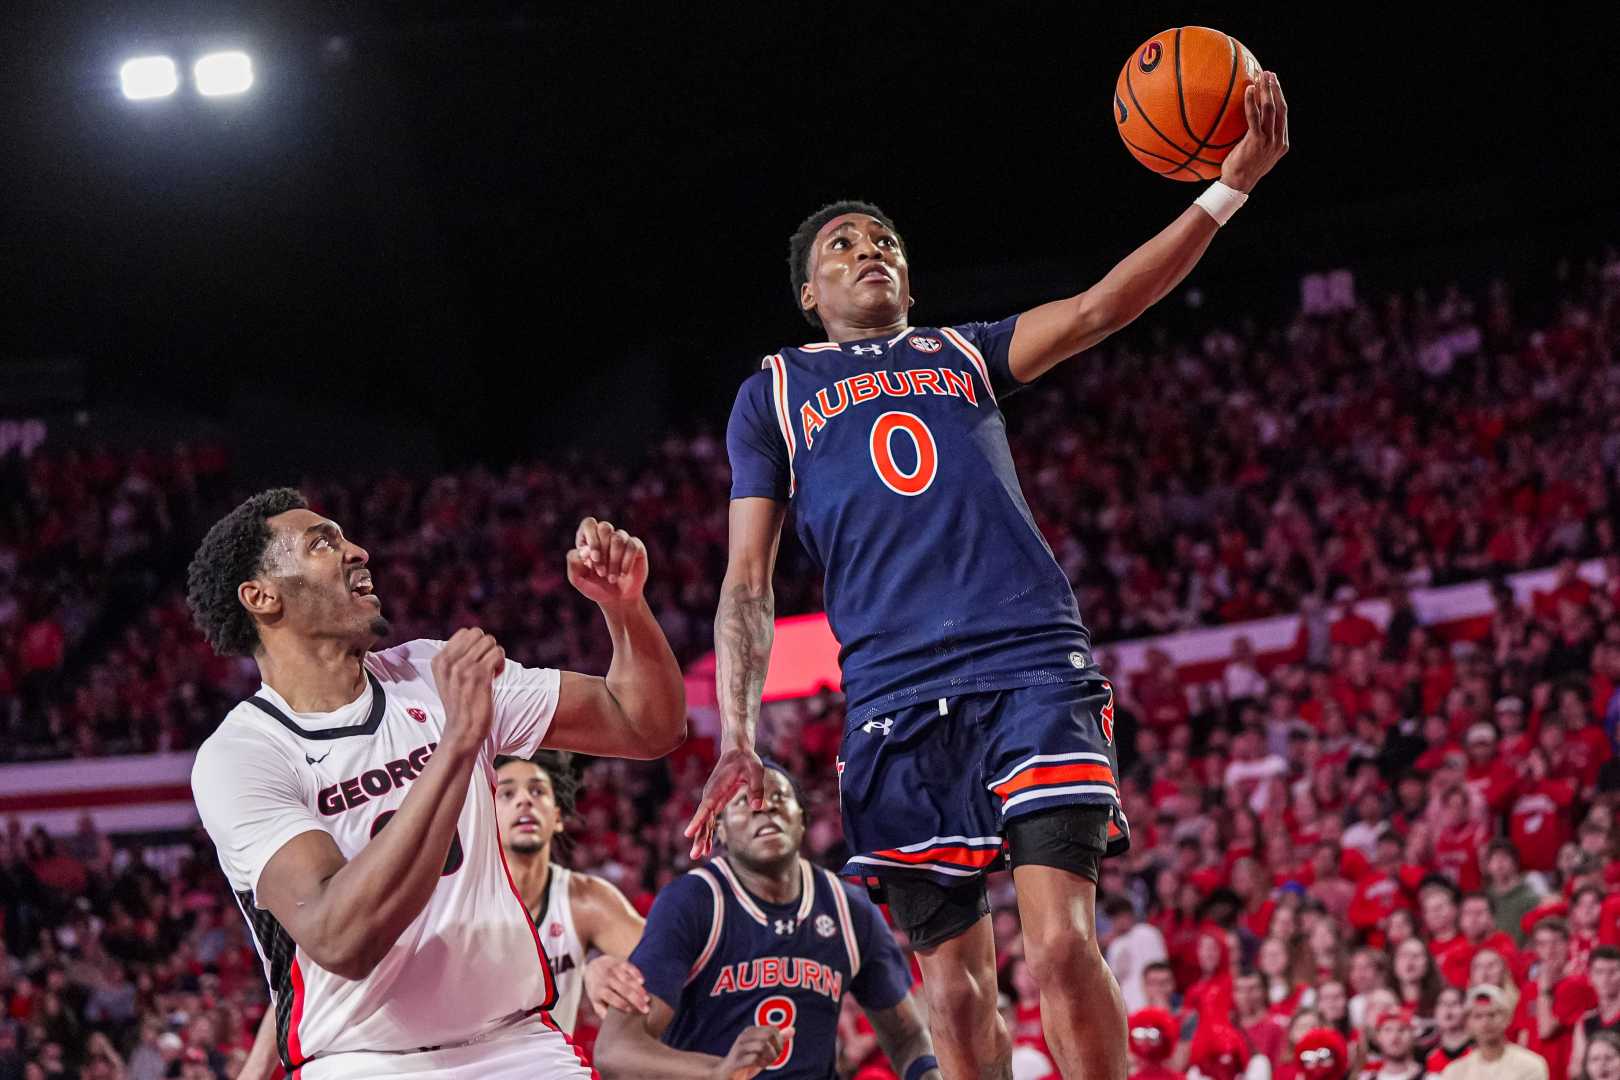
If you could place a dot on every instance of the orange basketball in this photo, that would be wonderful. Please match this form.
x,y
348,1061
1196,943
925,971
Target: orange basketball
x,y
1179,101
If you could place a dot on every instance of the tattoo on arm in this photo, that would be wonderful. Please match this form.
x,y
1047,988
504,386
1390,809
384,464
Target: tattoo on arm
x,y
743,634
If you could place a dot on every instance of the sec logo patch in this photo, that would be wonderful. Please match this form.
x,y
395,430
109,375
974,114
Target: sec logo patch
x,y
555,929
419,715
924,344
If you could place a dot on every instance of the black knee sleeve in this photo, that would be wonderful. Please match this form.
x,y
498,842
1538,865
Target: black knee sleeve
x,y
931,913
1072,838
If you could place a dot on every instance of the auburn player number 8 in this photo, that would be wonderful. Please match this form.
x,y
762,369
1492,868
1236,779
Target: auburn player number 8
x,y
778,1012
894,478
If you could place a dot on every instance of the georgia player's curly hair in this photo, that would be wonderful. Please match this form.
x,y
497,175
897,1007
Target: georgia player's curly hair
x,y
805,235
559,766
231,553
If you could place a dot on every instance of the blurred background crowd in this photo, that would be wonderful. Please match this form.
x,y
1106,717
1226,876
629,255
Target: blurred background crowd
x,y
1346,841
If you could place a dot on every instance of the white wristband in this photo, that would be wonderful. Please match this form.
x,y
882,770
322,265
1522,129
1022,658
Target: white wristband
x,y
1220,202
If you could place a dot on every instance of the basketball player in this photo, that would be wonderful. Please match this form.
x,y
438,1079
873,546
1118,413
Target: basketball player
x,y
351,800
748,957
977,720
573,912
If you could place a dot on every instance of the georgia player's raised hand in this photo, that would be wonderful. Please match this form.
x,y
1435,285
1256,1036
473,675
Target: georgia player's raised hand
x,y
606,564
1267,138
738,769
465,671
754,1049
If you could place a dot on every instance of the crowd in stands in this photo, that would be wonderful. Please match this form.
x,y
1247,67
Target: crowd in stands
x,y
1352,843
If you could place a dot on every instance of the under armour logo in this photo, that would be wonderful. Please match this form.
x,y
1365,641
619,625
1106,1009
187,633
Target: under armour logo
x,y
786,926
878,727
317,760
867,350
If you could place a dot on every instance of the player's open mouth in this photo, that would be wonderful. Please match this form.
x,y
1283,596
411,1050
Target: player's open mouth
x,y
525,822
361,586
873,273
767,830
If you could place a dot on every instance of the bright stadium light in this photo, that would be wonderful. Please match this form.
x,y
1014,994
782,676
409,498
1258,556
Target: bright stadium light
x,y
222,73
149,77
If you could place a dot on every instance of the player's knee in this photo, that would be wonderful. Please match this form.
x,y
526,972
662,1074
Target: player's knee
x,y
959,995
1061,954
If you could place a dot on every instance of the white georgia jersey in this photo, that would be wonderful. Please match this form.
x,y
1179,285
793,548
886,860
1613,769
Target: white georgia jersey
x,y
471,962
564,951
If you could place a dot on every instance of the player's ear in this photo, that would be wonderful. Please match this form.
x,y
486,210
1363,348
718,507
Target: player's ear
x,y
260,597
807,297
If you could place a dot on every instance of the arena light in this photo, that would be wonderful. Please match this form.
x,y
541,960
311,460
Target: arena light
x,y
223,73
147,77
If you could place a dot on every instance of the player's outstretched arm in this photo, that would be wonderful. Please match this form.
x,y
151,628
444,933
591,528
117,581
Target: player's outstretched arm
x,y
628,1049
606,922
639,709
347,914
1047,335
744,628
904,1038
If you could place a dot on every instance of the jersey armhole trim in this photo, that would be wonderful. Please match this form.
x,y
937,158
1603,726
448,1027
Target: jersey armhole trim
x,y
845,922
779,397
717,919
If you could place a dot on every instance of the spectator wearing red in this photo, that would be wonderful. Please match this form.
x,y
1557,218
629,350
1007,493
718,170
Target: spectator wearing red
x,y
1379,892
1555,998
1437,899
1491,777
1153,1037
1459,835
1451,1037
1476,923
1252,1016
1539,815
1585,925
1211,996
1417,982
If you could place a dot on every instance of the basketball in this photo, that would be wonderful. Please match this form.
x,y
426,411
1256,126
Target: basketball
x,y
1179,101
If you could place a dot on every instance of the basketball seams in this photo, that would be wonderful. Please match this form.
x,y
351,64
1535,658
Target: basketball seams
x,y
1130,88
1226,101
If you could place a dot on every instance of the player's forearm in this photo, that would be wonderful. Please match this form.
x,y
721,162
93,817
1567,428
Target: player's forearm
x,y
369,902
1146,275
625,1051
903,1037
261,1060
744,628
645,679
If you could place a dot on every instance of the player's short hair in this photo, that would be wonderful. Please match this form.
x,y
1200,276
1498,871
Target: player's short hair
x,y
233,552
805,235
558,765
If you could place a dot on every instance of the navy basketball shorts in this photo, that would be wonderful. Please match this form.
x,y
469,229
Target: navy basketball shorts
x,y
930,789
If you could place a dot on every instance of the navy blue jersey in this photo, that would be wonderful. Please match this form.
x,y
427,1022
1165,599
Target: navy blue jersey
x,y
726,960
894,454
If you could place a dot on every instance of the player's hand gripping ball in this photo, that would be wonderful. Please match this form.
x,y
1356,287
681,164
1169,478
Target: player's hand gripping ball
x,y
1193,104
606,564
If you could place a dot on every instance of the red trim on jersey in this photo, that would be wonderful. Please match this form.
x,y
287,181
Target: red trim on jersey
x,y
295,1048
545,1018
545,967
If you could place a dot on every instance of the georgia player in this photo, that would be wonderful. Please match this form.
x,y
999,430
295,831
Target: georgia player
x,y
351,800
